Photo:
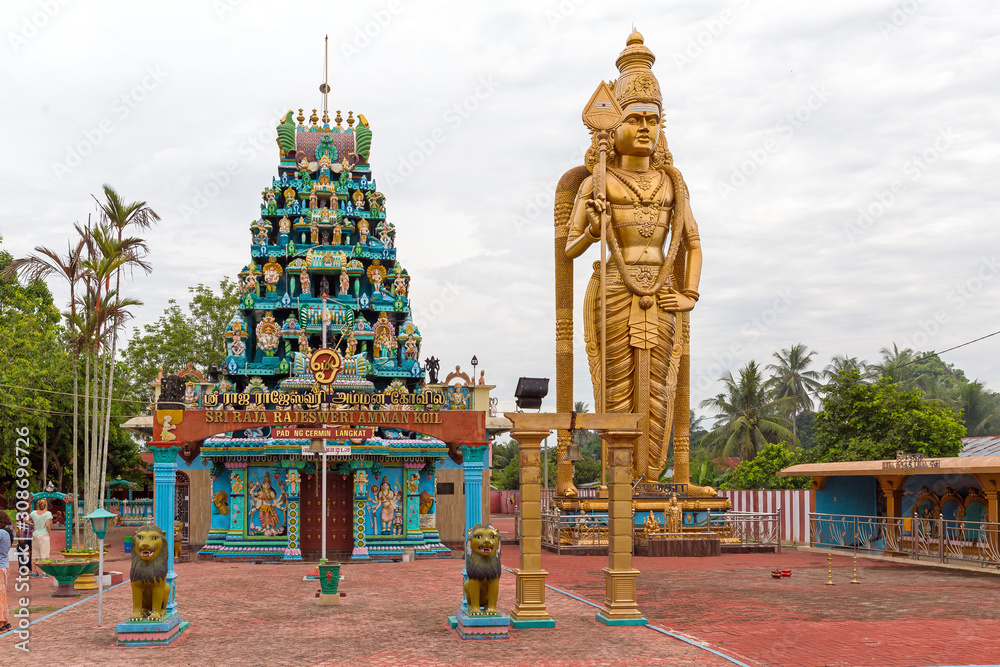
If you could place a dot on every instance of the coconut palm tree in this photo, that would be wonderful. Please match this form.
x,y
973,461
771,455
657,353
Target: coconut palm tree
x,y
42,264
747,415
791,379
980,409
897,365
842,362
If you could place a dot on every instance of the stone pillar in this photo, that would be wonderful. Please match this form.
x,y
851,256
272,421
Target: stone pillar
x,y
620,607
164,509
529,606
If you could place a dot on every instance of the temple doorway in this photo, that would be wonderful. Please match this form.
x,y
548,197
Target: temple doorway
x,y
339,513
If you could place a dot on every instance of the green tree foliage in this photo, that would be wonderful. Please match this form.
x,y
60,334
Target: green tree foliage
x,y
30,355
748,415
36,390
871,421
177,338
980,409
761,472
791,378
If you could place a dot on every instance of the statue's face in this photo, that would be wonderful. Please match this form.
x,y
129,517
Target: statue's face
x,y
638,133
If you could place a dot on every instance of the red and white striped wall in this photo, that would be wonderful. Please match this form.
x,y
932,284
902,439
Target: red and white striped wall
x,y
795,507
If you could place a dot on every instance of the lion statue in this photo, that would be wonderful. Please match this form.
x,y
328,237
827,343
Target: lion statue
x,y
482,565
150,589
221,500
426,502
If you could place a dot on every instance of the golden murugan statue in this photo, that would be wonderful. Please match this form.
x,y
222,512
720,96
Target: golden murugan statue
x,y
630,194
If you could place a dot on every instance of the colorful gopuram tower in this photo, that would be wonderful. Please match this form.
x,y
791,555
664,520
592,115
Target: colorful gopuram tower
x,y
322,275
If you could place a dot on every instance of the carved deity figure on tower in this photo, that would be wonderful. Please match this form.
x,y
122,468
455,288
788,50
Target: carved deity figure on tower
x,y
637,201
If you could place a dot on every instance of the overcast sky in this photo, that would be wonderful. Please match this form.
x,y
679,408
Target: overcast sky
x,y
839,156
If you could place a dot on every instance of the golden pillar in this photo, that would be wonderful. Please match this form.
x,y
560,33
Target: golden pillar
x,y
682,407
565,194
892,489
620,606
529,606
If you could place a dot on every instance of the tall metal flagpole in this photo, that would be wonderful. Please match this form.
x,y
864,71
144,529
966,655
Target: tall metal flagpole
x,y
602,115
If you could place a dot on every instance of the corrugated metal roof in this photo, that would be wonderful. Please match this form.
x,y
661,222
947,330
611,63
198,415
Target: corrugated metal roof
x,y
987,445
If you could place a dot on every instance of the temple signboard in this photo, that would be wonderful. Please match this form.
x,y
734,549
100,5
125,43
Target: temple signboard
x,y
327,432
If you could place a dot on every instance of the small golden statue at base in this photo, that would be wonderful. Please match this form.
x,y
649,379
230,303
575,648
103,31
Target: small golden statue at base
x,y
673,516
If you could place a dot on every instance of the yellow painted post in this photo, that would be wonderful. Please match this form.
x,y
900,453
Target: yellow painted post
x,y
529,607
620,606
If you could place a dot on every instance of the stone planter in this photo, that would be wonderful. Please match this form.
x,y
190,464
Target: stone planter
x,y
66,572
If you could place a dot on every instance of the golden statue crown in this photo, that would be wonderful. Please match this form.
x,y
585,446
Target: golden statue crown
x,y
637,82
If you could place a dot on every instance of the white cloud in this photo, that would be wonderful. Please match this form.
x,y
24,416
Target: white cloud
x,y
477,209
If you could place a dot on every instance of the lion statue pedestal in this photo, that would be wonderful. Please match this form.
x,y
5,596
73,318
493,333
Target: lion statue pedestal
x,y
481,619
150,624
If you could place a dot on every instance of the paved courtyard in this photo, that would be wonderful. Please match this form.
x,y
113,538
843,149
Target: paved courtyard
x,y
395,614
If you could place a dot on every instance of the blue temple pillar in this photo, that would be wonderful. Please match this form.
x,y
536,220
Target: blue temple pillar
x,y
472,468
164,509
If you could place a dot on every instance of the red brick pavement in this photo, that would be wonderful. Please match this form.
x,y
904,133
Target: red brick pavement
x,y
901,615
394,614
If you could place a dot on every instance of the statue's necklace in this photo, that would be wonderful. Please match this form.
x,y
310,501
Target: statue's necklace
x,y
646,209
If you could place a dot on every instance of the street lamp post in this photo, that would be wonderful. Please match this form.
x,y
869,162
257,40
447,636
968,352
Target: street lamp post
x,y
99,522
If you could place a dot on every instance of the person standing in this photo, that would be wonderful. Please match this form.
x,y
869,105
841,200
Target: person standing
x,y
41,518
6,540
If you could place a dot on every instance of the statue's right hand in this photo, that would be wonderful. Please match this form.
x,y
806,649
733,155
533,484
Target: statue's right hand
x,y
595,209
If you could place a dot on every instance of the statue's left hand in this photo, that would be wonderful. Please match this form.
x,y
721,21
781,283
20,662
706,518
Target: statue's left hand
x,y
674,302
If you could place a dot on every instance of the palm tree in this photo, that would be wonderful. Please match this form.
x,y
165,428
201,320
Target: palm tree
x,y
938,388
980,409
43,263
842,362
790,379
748,416
105,313
120,253
897,365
